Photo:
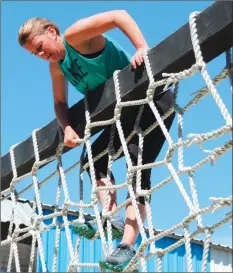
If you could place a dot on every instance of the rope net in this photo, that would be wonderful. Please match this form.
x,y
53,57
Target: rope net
x,y
15,235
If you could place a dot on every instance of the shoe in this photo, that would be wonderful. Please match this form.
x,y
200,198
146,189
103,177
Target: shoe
x,y
89,229
119,259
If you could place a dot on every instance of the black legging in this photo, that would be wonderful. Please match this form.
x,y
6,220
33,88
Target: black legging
x,y
153,142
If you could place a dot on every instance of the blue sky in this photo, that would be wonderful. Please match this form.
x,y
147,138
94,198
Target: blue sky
x,y
27,103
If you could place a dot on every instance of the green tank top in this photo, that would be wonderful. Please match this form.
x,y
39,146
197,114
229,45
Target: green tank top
x,y
86,74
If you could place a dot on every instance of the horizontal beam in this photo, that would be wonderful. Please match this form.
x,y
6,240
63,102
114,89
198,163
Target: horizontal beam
x,y
174,54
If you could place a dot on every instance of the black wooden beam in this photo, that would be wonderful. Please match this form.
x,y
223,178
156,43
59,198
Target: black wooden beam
x,y
175,53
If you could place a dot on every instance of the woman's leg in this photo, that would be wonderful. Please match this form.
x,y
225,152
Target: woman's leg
x,y
153,144
101,168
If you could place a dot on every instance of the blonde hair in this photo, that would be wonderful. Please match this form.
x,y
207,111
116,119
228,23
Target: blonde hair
x,y
34,26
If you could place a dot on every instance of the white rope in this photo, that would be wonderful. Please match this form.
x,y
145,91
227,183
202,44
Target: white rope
x,y
192,202
14,219
205,75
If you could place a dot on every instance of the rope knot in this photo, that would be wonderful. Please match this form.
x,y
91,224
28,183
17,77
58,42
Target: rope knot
x,y
35,167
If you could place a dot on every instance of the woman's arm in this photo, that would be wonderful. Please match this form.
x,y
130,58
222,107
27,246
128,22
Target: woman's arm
x,y
86,29
60,96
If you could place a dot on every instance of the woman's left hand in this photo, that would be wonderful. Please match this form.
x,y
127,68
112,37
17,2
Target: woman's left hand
x,y
137,59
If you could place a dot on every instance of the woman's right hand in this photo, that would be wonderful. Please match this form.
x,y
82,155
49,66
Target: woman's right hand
x,y
71,139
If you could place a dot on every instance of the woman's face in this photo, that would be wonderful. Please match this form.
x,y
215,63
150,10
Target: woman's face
x,y
47,46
